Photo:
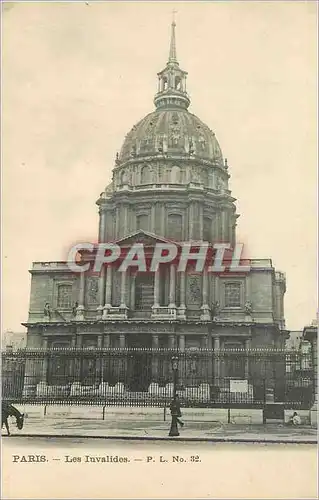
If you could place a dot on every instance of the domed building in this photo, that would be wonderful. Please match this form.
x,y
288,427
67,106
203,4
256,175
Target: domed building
x,y
170,177
169,184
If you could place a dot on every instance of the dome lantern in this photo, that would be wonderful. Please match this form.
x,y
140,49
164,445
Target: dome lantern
x,y
172,81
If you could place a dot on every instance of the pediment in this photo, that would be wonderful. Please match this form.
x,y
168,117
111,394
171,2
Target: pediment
x,y
140,236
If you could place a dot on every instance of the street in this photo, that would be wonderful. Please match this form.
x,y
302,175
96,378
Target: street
x,y
41,467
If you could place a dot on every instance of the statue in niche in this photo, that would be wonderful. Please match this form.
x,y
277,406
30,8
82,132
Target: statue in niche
x,y
215,309
248,308
47,310
133,150
74,308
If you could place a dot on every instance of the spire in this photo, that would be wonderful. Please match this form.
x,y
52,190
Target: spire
x,y
172,80
172,48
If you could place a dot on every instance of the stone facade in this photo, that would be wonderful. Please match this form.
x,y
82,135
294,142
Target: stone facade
x,y
170,182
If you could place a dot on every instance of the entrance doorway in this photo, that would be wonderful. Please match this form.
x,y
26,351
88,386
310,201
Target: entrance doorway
x,y
139,363
144,291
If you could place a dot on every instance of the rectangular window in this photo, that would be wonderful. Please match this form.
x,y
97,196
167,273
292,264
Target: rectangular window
x,y
232,295
175,227
142,222
64,296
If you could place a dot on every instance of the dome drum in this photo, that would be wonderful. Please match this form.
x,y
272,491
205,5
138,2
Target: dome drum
x,y
170,171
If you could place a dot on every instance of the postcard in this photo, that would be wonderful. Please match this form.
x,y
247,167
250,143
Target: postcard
x,y
159,330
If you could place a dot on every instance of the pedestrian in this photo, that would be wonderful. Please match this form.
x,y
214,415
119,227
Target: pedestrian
x,y
295,419
175,408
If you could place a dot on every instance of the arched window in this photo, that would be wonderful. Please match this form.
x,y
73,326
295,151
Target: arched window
x,y
175,175
175,227
178,83
207,229
142,222
145,175
64,300
123,177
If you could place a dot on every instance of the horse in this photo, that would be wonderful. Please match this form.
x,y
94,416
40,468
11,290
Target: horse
x,y
8,410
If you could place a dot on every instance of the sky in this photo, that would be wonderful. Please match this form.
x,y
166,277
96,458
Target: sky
x,y
77,77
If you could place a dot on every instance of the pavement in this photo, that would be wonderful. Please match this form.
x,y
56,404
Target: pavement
x,y
143,429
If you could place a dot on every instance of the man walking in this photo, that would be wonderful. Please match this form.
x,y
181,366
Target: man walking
x,y
175,408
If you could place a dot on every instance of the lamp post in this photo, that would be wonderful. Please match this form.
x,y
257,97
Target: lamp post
x,y
174,429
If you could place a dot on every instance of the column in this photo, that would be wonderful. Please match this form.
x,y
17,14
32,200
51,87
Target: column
x,y
99,364
125,220
182,307
172,286
153,218
122,360
247,357
156,288
155,343
210,356
102,224
123,290
132,291
205,316
77,360
163,219
171,341
223,226
214,180
101,292
181,343
117,222
108,288
201,221
216,361
191,221
233,229
45,361
80,308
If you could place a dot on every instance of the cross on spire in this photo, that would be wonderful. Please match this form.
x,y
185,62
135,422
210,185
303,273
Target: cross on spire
x,y
172,49
173,14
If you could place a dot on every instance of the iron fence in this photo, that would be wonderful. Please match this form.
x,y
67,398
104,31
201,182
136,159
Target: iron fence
x,y
144,377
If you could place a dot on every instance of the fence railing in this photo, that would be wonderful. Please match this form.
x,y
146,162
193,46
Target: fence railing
x,y
145,377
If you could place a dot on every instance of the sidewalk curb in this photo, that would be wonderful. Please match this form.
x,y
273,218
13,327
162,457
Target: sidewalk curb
x,y
150,438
